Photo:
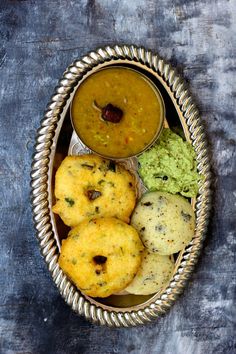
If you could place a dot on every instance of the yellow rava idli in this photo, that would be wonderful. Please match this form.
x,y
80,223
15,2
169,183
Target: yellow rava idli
x,y
101,256
153,275
165,222
88,186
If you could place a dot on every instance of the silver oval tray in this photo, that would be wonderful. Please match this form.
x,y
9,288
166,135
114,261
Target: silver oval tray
x,y
55,139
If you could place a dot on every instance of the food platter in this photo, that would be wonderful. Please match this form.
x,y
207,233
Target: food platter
x,y
56,139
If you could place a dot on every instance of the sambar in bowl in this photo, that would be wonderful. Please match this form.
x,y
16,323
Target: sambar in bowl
x,y
117,112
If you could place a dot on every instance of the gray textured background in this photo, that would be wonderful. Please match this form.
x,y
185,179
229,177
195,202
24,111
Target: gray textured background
x,y
39,39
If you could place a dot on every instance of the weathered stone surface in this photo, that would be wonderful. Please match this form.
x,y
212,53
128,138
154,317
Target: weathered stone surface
x,y
39,39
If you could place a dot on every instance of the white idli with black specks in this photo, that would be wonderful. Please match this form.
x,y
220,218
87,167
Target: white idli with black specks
x,y
165,222
153,275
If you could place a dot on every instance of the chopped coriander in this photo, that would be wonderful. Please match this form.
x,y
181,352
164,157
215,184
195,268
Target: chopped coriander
x,y
70,201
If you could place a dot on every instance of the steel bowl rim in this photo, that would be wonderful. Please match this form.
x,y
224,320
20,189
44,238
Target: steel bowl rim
x,y
40,183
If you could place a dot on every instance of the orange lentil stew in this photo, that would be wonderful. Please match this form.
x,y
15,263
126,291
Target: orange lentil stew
x,y
117,112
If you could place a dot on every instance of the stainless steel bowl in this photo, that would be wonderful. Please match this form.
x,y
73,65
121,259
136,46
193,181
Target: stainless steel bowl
x,y
53,140
158,97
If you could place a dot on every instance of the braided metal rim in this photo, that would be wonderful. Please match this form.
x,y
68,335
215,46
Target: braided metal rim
x,y
40,181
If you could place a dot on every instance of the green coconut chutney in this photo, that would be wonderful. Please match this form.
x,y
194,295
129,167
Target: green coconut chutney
x,y
170,166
